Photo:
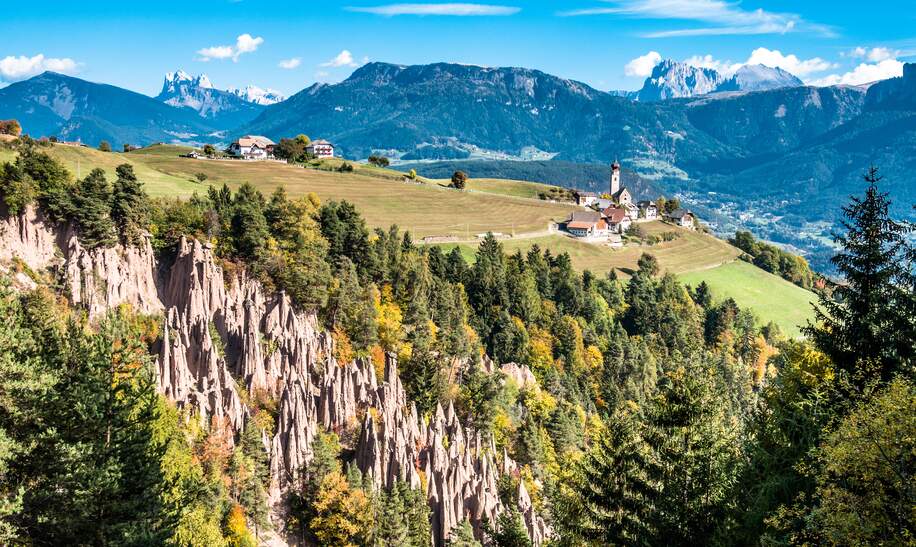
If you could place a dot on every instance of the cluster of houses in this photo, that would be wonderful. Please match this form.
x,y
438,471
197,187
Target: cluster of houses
x,y
607,218
257,147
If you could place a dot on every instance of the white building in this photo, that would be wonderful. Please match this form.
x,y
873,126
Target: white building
x,y
252,147
648,210
320,149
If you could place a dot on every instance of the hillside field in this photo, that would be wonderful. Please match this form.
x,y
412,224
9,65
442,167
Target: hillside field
x,y
380,194
689,252
771,297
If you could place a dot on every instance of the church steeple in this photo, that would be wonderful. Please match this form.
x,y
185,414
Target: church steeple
x,y
615,178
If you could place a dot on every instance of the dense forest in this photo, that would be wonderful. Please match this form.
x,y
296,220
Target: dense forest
x,y
658,415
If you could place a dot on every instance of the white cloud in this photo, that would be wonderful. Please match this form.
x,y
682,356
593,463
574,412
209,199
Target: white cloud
x,y
789,63
14,69
719,16
642,66
456,9
875,54
763,56
865,73
322,74
245,43
290,64
344,58
215,52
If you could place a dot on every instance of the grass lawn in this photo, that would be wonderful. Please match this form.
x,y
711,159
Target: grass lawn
x,y
690,251
771,297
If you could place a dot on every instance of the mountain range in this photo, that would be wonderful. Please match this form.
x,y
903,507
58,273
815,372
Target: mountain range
x,y
754,150
225,109
674,80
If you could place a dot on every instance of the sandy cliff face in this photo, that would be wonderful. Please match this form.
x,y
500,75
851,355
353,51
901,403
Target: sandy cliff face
x,y
223,332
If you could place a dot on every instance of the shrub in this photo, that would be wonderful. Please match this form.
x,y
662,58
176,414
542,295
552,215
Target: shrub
x,y
459,180
10,127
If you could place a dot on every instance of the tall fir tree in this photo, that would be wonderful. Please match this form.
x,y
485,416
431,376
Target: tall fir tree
x,y
129,205
92,210
866,327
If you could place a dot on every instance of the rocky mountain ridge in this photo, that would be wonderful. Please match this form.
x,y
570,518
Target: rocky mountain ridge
x,y
674,80
227,108
224,332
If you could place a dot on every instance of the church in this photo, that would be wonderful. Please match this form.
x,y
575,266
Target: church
x,y
619,195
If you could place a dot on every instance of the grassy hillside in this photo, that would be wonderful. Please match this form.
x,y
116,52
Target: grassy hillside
x,y
772,298
689,252
506,187
380,194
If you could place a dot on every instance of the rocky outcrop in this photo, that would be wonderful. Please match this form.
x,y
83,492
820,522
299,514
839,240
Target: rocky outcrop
x,y
29,237
100,279
226,341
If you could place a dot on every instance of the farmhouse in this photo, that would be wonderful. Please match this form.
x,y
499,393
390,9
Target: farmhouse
x,y
681,217
648,210
586,224
617,219
252,147
320,149
585,198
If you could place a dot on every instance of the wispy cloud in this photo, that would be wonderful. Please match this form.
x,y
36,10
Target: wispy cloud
x,y
454,9
718,16
245,43
290,64
14,69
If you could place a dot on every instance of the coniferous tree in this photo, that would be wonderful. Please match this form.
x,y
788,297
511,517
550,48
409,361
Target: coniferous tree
x,y
129,205
92,210
463,536
694,458
866,328
509,530
248,225
615,489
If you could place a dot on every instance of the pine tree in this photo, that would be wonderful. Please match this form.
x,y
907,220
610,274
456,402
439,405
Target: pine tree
x,y
463,536
129,205
92,210
423,379
509,530
615,488
248,225
694,458
867,327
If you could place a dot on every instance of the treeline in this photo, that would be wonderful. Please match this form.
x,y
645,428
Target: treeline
x,y
103,213
771,258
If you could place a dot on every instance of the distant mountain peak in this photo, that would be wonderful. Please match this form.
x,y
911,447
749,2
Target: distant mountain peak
x,y
672,79
256,95
759,78
175,81
183,90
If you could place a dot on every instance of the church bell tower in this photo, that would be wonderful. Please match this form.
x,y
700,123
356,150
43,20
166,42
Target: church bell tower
x,y
615,178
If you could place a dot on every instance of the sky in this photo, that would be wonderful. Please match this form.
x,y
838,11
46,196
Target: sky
x,y
608,44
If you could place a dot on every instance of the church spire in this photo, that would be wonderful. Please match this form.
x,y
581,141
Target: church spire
x,y
615,178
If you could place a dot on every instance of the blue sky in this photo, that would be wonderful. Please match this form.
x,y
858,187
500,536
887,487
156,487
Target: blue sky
x,y
609,44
